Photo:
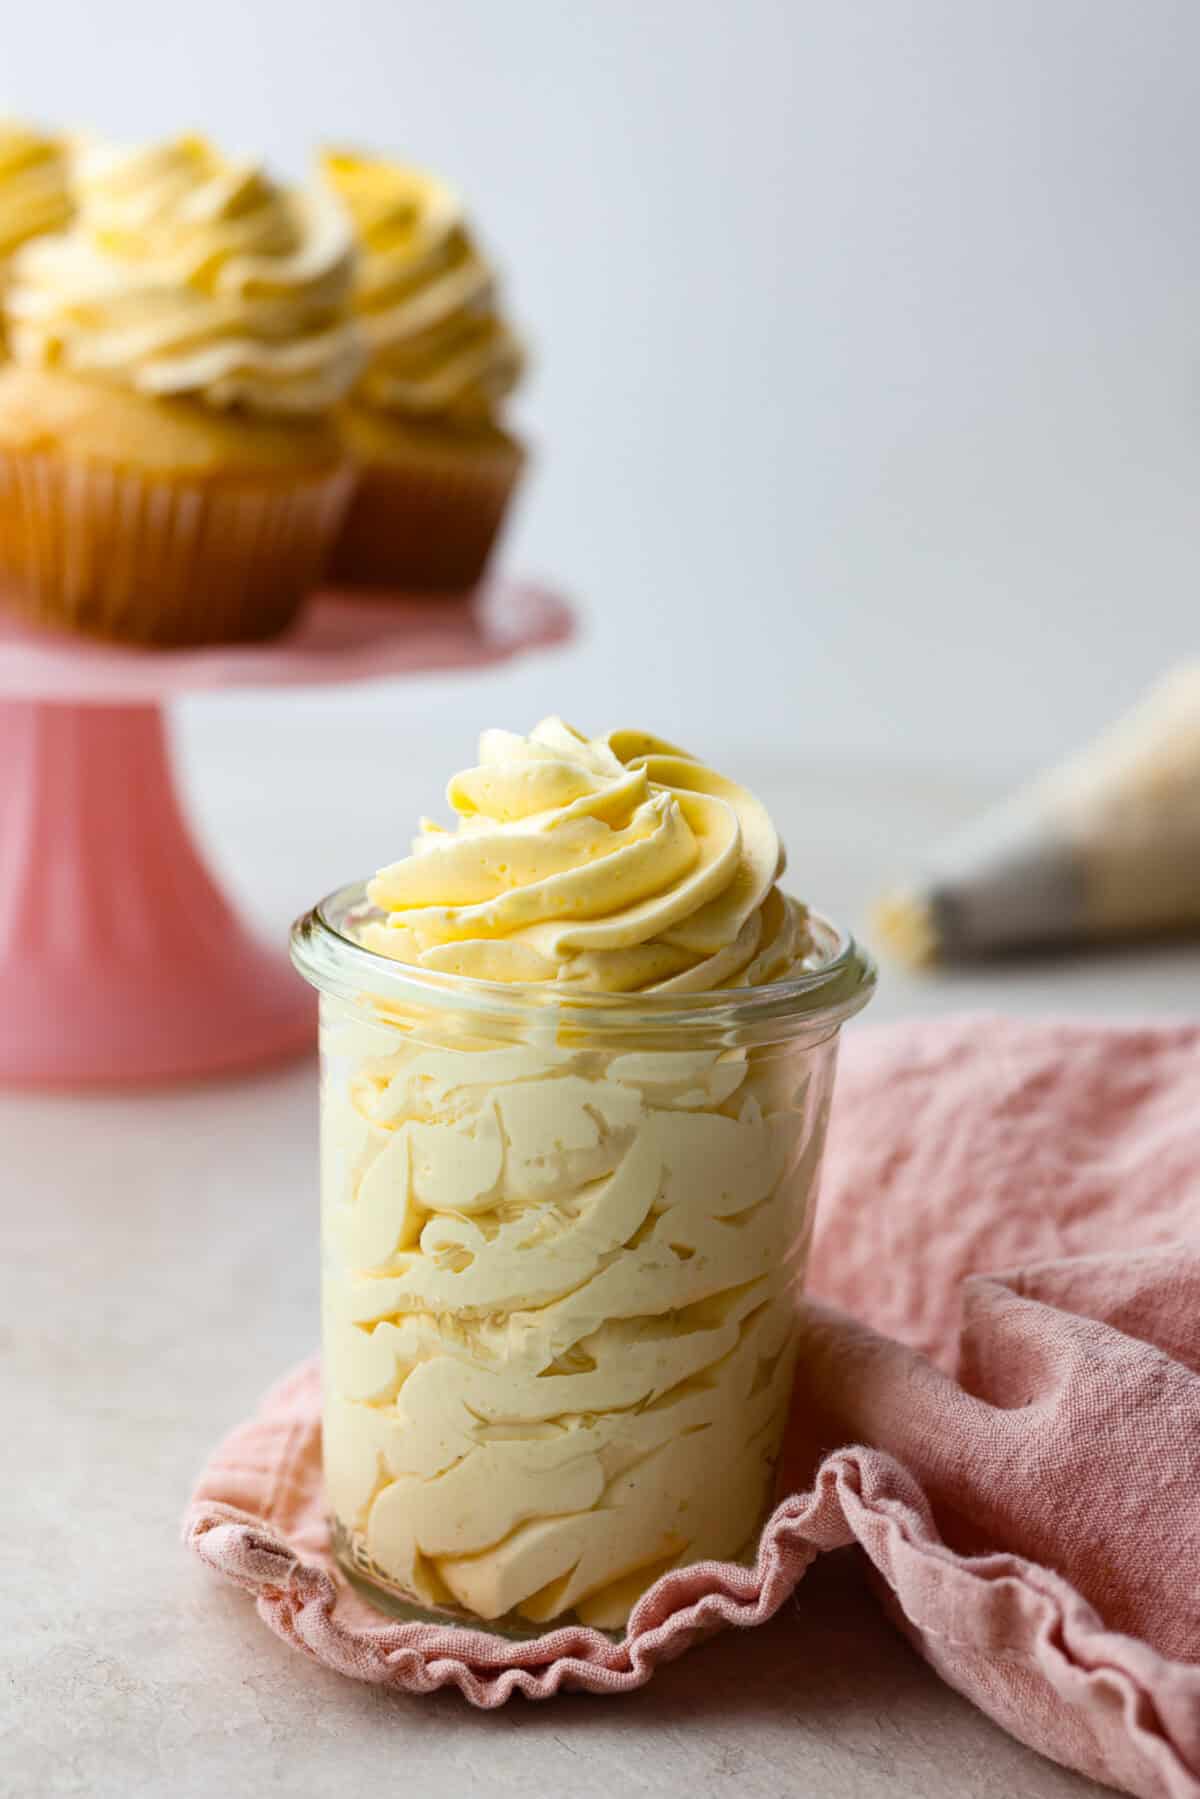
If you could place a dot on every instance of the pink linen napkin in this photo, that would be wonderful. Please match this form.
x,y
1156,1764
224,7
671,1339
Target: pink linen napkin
x,y
1008,1425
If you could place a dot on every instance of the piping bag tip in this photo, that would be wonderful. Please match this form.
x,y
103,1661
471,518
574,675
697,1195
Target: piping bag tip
x,y
904,925
1104,846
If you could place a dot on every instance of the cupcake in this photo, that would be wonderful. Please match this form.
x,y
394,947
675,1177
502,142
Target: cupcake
x,y
35,192
436,468
170,472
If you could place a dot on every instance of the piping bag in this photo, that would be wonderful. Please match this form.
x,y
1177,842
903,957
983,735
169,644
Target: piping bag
x,y
1105,846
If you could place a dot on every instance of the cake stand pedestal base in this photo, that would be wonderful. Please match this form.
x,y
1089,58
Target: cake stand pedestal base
x,y
120,959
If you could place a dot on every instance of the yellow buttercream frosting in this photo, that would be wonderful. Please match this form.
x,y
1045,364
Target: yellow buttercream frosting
x,y
618,864
559,1318
559,1265
35,193
439,345
188,274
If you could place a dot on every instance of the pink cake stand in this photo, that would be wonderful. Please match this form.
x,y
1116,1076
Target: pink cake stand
x,y
120,958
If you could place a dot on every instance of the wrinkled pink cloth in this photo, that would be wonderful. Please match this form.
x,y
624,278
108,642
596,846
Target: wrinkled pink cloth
x,y
998,1398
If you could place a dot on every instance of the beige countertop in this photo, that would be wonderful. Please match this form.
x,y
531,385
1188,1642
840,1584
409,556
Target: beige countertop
x,y
160,1270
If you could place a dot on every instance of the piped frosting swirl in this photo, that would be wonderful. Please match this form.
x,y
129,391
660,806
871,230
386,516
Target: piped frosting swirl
x,y
35,194
618,864
188,274
427,299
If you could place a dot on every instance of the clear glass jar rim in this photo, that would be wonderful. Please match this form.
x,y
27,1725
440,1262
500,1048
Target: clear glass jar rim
x,y
826,992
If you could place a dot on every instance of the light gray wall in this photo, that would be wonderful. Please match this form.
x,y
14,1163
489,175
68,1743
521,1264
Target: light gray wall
x,y
868,332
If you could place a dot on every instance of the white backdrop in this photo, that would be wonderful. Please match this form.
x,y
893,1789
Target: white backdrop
x,y
868,335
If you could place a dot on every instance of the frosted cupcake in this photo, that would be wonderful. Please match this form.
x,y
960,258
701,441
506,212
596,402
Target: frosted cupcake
x,y
35,194
436,468
169,469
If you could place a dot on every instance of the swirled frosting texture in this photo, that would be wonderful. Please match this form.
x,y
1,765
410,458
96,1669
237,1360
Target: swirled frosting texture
x,y
439,346
187,274
559,1273
35,194
559,1313
617,864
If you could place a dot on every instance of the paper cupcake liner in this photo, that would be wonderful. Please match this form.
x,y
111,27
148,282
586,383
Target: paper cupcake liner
x,y
162,559
425,525
1107,846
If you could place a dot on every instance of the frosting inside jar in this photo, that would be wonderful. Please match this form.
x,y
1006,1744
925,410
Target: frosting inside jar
x,y
559,1272
427,299
187,274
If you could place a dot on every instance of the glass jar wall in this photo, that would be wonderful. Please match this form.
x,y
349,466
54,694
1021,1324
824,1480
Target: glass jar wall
x,y
561,1241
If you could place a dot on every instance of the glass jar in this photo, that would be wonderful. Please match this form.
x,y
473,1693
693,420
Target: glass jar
x,y
561,1240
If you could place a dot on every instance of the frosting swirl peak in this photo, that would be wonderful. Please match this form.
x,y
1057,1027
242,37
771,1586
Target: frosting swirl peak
x,y
187,274
618,864
439,347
